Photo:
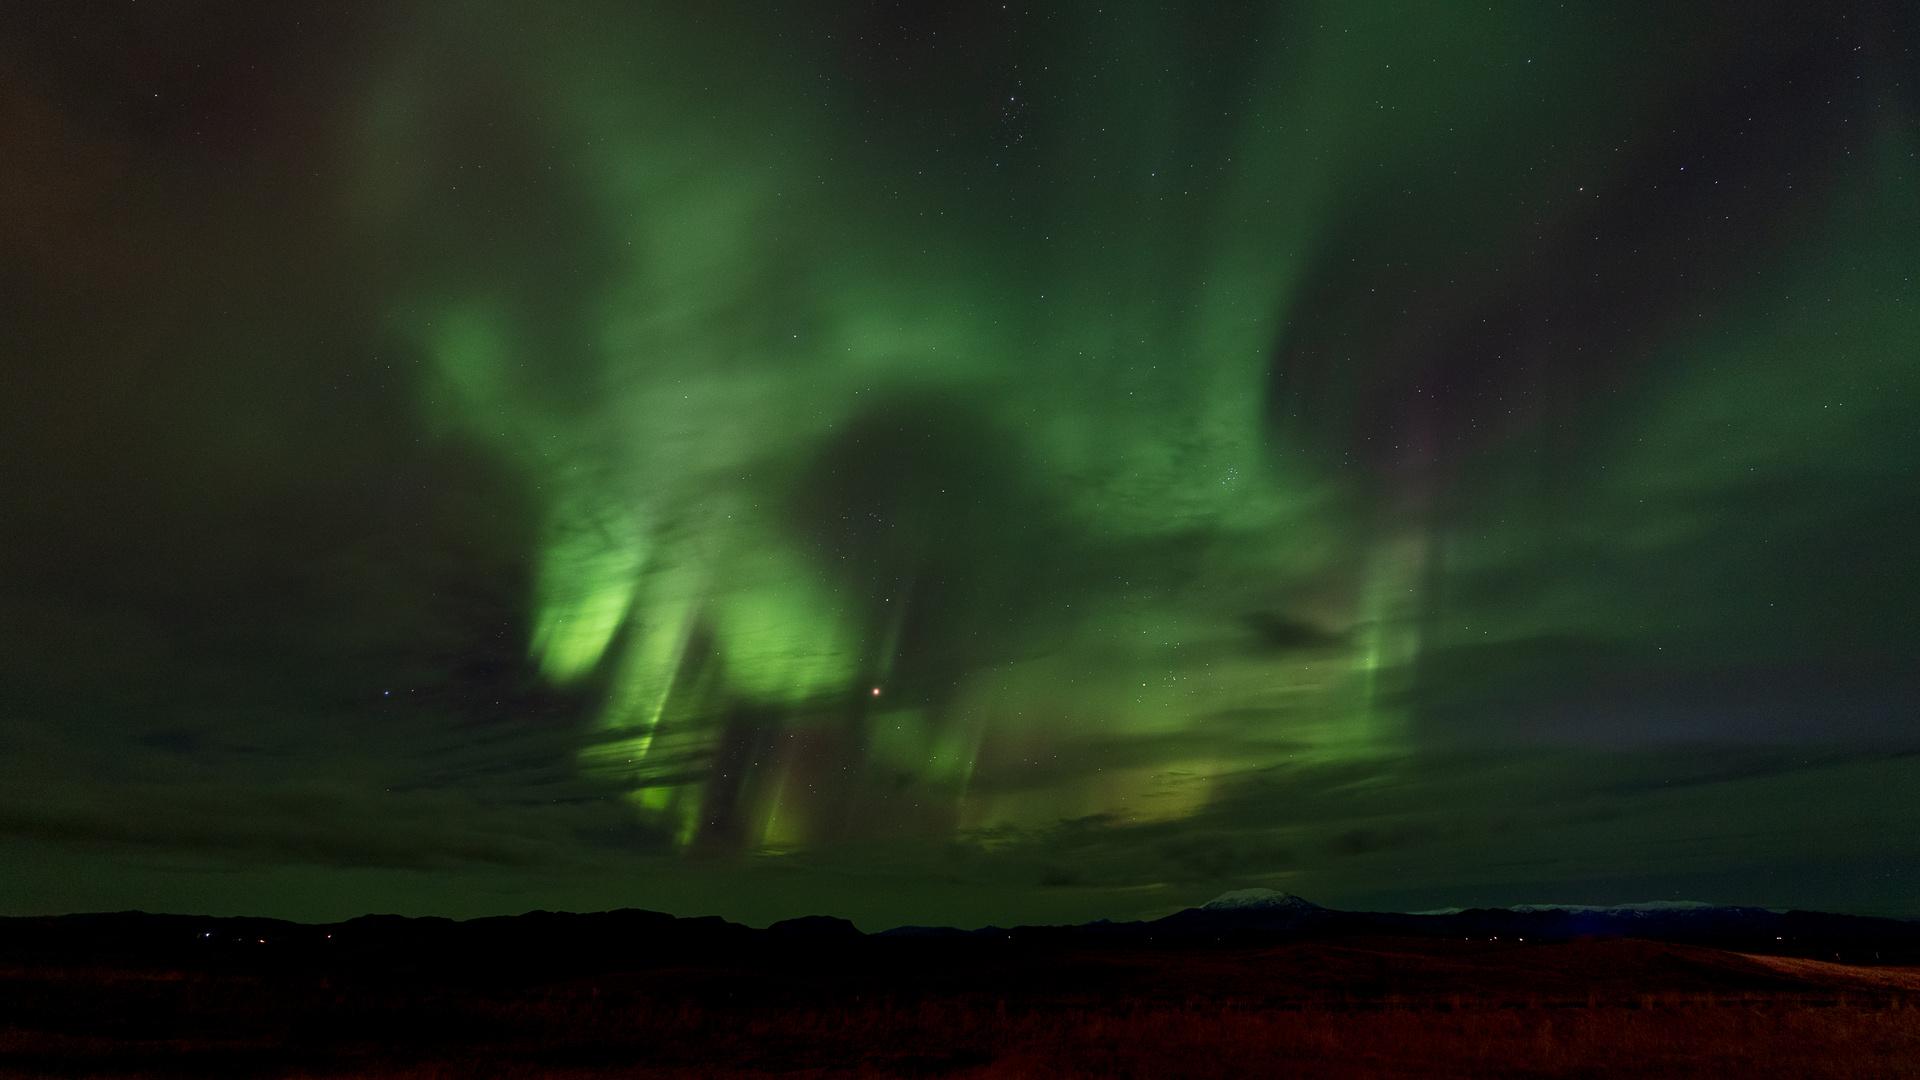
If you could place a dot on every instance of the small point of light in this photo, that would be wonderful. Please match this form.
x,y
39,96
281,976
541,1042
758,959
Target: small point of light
x,y
876,691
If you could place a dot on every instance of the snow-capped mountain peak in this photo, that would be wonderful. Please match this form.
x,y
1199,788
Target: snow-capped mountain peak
x,y
1258,900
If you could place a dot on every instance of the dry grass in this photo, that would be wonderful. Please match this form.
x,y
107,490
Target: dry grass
x,y
979,1040
1622,1010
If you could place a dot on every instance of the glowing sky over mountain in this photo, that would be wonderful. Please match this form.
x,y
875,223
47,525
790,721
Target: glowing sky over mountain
x,y
957,462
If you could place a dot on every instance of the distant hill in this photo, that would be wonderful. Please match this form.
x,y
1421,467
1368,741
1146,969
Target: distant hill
x,y
560,943
1250,915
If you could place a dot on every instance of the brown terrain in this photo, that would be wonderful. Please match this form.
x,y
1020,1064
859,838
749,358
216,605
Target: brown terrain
x,y
1356,1007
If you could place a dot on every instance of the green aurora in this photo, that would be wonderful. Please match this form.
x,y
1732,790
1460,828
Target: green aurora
x,y
958,463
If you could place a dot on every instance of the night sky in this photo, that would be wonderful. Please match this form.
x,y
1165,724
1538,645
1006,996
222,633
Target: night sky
x,y
957,462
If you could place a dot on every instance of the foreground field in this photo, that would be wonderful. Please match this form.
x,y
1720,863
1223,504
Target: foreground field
x,y
1382,1009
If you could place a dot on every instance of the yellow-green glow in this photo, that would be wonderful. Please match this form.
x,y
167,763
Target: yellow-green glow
x,y
884,478
587,579
761,308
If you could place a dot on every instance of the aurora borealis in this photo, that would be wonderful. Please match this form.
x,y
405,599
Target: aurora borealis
x,y
957,462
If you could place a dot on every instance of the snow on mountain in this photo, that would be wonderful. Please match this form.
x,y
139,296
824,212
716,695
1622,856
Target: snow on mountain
x,y
1258,900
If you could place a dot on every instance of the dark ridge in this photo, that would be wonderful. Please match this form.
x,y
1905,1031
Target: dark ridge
x,y
561,945
819,926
